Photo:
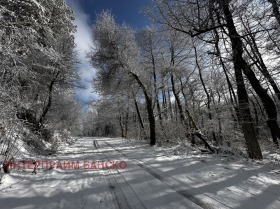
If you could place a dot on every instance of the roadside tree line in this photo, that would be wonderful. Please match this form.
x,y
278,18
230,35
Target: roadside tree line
x,y
205,71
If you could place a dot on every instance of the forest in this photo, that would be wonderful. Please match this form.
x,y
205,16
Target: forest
x,y
181,112
204,73
37,75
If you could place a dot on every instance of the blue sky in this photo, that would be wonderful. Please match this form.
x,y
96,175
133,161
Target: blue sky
x,y
125,11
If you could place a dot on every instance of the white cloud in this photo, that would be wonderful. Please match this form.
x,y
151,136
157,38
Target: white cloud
x,y
83,45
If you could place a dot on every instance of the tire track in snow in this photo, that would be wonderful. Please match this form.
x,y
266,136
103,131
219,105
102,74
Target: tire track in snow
x,y
116,191
119,188
186,191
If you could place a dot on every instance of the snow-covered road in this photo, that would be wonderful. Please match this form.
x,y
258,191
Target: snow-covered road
x,y
145,179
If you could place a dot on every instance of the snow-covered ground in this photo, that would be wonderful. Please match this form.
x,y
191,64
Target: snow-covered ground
x,y
152,178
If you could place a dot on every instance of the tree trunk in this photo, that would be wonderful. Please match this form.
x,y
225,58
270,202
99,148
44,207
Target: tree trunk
x,y
155,88
259,60
256,118
48,106
177,99
121,125
169,103
127,118
254,150
139,115
275,10
267,101
149,107
164,104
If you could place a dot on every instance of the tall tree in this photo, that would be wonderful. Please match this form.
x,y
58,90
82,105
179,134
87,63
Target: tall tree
x,y
196,19
117,57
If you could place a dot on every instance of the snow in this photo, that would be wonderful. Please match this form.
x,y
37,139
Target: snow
x,y
155,177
